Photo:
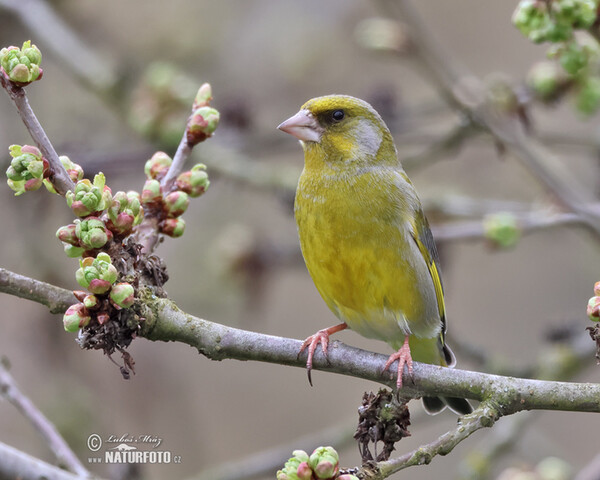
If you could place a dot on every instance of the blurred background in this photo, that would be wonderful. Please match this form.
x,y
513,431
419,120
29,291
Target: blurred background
x,y
140,62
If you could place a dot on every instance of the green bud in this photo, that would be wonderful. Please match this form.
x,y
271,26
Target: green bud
x,y
72,251
173,227
533,20
88,197
324,462
573,58
588,96
502,229
176,203
194,182
22,65
90,302
158,166
73,169
290,469
96,274
76,317
203,97
545,79
92,233
151,193
123,213
593,309
68,234
201,125
27,169
122,295
304,472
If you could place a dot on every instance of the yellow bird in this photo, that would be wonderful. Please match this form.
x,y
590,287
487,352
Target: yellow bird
x,y
365,240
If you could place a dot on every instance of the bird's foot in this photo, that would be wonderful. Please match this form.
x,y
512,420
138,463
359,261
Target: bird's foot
x,y
404,358
322,337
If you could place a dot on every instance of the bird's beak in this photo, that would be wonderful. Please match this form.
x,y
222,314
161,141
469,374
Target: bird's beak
x,y
303,126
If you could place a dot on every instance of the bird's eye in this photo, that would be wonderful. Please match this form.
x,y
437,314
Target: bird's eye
x,y
338,115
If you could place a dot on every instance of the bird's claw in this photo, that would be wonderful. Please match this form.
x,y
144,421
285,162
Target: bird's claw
x,y
404,359
322,337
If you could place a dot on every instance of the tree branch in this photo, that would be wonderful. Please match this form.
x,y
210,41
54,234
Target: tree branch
x,y
64,455
59,177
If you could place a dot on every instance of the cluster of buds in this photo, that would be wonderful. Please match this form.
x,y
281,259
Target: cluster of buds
x,y
322,464
88,198
99,276
21,65
204,119
124,213
502,229
27,169
577,53
593,306
554,21
171,205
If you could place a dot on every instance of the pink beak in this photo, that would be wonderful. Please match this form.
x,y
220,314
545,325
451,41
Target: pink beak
x,y
303,126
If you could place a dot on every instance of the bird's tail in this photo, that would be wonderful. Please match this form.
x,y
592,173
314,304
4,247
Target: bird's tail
x,y
434,405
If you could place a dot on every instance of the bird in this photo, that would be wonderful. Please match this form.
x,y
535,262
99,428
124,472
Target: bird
x,y
365,239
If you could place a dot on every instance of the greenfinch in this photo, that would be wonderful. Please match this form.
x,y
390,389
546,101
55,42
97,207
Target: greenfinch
x,y
365,240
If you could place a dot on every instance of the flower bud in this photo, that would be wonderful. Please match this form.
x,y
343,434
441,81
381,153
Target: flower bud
x,y
76,317
158,166
194,182
324,462
597,289
546,79
502,229
593,309
151,193
173,227
96,274
290,469
88,197
304,471
123,213
72,251
90,301
176,203
122,295
73,169
202,124
22,65
92,233
68,234
27,169
203,97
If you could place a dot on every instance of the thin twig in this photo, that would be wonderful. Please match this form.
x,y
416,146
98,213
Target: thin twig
x,y
184,150
16,464
63,453
59,177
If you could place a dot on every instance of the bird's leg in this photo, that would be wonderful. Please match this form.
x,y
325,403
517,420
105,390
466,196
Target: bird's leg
x,y
404,358
322,337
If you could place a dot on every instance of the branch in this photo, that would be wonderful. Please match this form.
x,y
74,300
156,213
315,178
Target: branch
x,y
17,464
59,177
55,298
165,322
465,92
64,455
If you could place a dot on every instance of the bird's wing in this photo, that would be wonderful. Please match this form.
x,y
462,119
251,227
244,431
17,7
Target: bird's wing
x,y
424,239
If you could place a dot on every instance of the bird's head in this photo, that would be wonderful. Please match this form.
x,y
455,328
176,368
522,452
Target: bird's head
x,y
344,128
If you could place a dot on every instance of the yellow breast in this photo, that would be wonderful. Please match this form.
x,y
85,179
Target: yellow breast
x,y
355,235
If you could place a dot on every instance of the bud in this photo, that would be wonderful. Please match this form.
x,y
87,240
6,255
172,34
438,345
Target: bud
x,y
201,125
90,301
27,169
151,193
546,79
290,469
122,295
176,203
194,182
73,169
68,234
22,66
203,97
324,462
92,233
304,471
72,251
123,213
502,229
593,309
173,227
96,274
76,317
158,166
88,197
347,476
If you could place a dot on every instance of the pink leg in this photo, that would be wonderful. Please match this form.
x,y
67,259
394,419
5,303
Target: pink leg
x,y
322,337
404,358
